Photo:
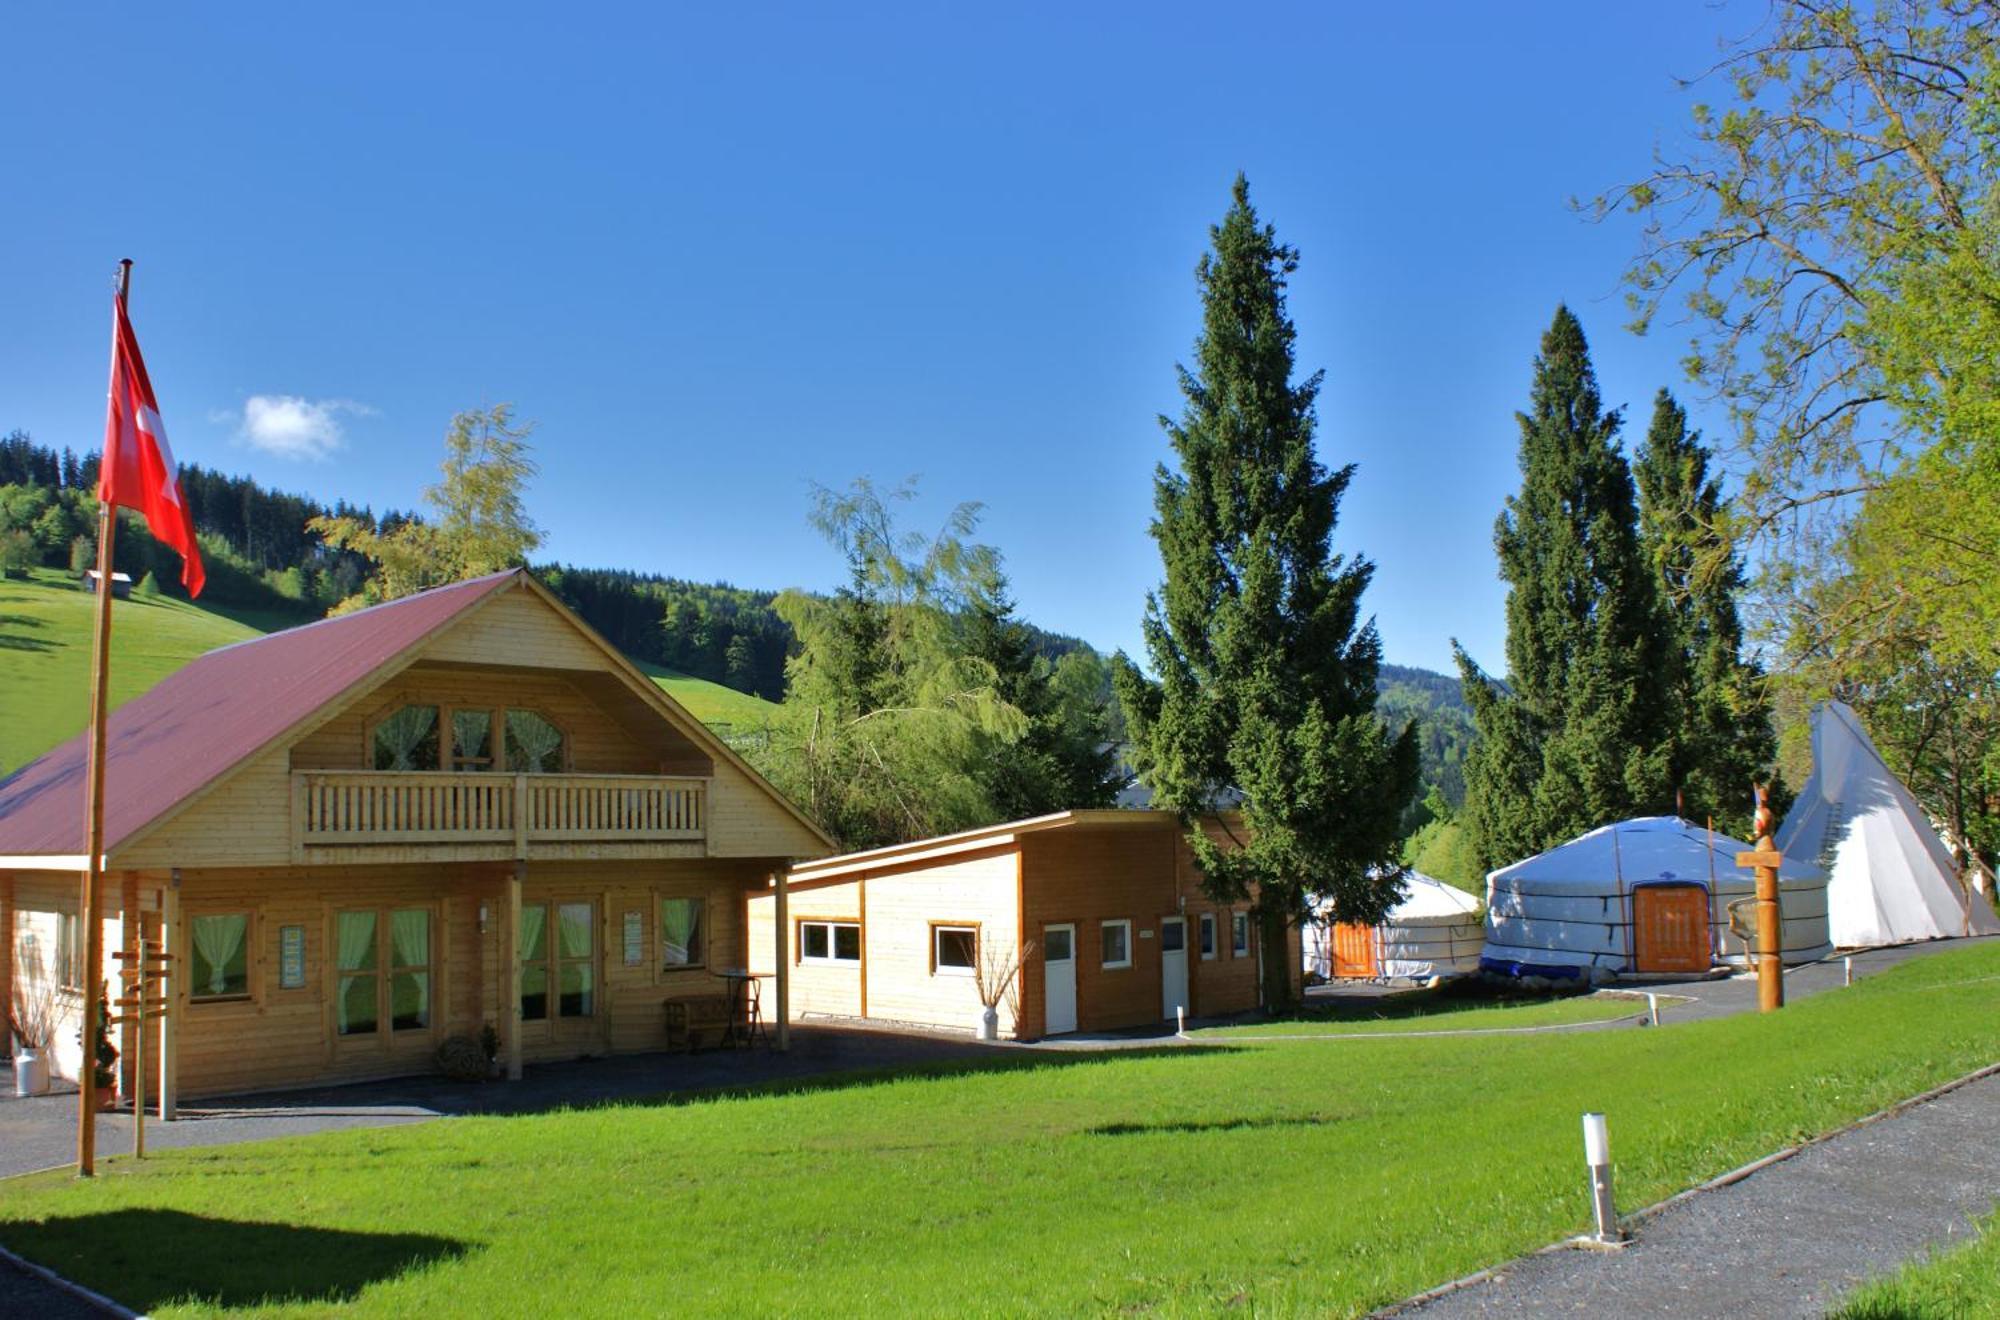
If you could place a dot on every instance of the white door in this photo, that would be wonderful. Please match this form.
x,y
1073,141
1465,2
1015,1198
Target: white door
x,y
1173,966
1058,979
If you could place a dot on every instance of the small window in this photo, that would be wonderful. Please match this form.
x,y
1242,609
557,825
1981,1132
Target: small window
x,y
1239,934
1117,937
534,746
954,950
683,932
1208,937
219,957
472,740
69,952
408,740
1056,944
829,942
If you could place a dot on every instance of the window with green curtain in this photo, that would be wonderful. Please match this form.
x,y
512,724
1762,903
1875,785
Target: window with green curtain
x,y
683,933
534,746
219,956
408,740
410,969
575,967
534,962
472,739
355,1010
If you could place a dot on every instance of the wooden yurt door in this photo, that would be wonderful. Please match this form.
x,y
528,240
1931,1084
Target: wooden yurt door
x,y
1670,928
1353,950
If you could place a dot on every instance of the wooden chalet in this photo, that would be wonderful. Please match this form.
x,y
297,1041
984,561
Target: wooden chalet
x,y
360,837
1107,905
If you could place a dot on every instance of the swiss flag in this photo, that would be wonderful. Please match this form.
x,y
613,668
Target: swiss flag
x,y
139,470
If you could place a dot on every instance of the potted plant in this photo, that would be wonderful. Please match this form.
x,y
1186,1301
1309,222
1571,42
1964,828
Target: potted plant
x,y
104,1055
31,1018
995,976
489,1041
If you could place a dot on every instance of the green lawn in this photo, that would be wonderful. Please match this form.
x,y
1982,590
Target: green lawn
x,y
45,628
1194,1179
1447,1009
1954,1285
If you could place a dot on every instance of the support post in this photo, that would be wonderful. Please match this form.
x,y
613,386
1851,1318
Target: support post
x,y
170,992
510,1011
1770,923
130,1030
782,945
6,942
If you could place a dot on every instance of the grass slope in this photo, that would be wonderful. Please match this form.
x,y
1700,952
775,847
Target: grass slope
x,y
1958,1284
1289,1178
712,703
45,632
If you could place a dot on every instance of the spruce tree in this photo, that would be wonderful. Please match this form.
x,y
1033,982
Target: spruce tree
x,y
1582,731
1724,740
1266,675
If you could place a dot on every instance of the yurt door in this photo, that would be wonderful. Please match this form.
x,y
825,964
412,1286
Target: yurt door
x,y
1670,928
1353,949
1173,967
1058,980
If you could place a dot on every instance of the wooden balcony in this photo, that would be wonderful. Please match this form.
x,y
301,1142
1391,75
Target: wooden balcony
x,y
362,812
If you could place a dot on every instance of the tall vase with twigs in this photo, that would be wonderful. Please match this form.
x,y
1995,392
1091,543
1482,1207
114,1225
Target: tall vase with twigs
x,y
33,1010
996,976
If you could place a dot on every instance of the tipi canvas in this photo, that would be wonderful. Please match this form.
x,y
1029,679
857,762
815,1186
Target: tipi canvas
x,y
1890,878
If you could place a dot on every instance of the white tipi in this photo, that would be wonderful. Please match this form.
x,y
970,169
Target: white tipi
x,y
1890,878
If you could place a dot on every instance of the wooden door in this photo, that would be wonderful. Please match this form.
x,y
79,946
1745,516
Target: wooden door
x,y
1670,928
1353,950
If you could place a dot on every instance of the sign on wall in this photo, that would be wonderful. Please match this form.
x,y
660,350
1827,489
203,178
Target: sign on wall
x,y
635,939
291,957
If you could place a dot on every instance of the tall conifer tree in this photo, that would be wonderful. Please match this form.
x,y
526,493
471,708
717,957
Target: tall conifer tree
x,y
1266,676
1581,733
1724,740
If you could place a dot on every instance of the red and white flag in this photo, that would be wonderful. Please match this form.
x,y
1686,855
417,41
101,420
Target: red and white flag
x,y
139,470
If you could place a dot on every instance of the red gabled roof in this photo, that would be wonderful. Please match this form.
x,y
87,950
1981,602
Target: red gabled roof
x,y
206,718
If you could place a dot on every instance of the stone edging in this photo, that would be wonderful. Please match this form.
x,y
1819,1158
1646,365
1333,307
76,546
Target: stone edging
x,y
1716,1183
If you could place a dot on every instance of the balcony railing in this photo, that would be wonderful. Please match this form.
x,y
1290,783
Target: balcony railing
x,y
334,808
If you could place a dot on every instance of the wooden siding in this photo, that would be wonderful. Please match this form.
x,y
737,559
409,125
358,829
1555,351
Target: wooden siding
x,y
833,990
745,821
517,627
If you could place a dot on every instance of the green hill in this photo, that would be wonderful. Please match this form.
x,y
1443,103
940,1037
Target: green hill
x,y
45,662
45,625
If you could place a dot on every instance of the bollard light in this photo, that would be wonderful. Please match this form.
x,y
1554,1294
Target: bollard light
x,y
1848,975
1597,1154
1180,1019
1652,1013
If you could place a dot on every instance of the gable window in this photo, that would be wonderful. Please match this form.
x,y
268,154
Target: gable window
x,y
534,746
407,740
1208,937
559,953
219,957
954,950
383,959
683,933
1239,934
1116,937
472,740
829,942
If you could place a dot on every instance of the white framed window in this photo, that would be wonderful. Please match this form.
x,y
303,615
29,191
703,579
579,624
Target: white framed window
x,y
833,942
1239,934
1208,937
954,950
1116,938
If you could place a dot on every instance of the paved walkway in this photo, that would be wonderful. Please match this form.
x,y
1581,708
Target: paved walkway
x,y
1789,1240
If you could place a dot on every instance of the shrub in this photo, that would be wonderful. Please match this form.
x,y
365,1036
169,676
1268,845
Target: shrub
x,y
18,553
149,586
461,1059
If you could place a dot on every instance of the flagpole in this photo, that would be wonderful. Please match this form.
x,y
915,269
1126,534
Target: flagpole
x,y
93,816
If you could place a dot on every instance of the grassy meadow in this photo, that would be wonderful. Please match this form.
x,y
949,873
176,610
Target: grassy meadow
x,y
45,630
1287,1177
1422,1011
1958,1284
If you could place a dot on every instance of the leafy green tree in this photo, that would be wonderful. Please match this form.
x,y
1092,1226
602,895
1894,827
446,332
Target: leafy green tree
x,y
18,552
479,523
1723,737
742,664
1266,673
148,587
1582,731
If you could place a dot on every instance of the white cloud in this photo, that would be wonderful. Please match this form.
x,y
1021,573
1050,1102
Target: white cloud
x,y
292,427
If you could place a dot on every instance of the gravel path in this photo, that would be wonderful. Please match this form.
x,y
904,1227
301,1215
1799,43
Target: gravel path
x,y
1787,1241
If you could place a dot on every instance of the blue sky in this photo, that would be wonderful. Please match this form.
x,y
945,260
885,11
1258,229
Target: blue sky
x,y
720,253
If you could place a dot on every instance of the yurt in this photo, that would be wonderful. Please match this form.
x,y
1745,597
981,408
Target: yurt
x,y
1649,895
1890,879
1434,932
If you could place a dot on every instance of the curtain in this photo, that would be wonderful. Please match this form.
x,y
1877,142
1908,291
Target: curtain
x,y
534,745
410,937
573,930
534,930
354,939
398,737
218,940
471,737
680,931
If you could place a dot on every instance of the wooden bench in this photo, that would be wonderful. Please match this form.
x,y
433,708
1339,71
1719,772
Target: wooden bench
x,y
696,1020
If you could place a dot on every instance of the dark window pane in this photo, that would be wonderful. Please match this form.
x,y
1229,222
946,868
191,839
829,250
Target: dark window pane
x,y
812,940
409,1000
354,1012
680,932
847,943
577,999
534,994
955,947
